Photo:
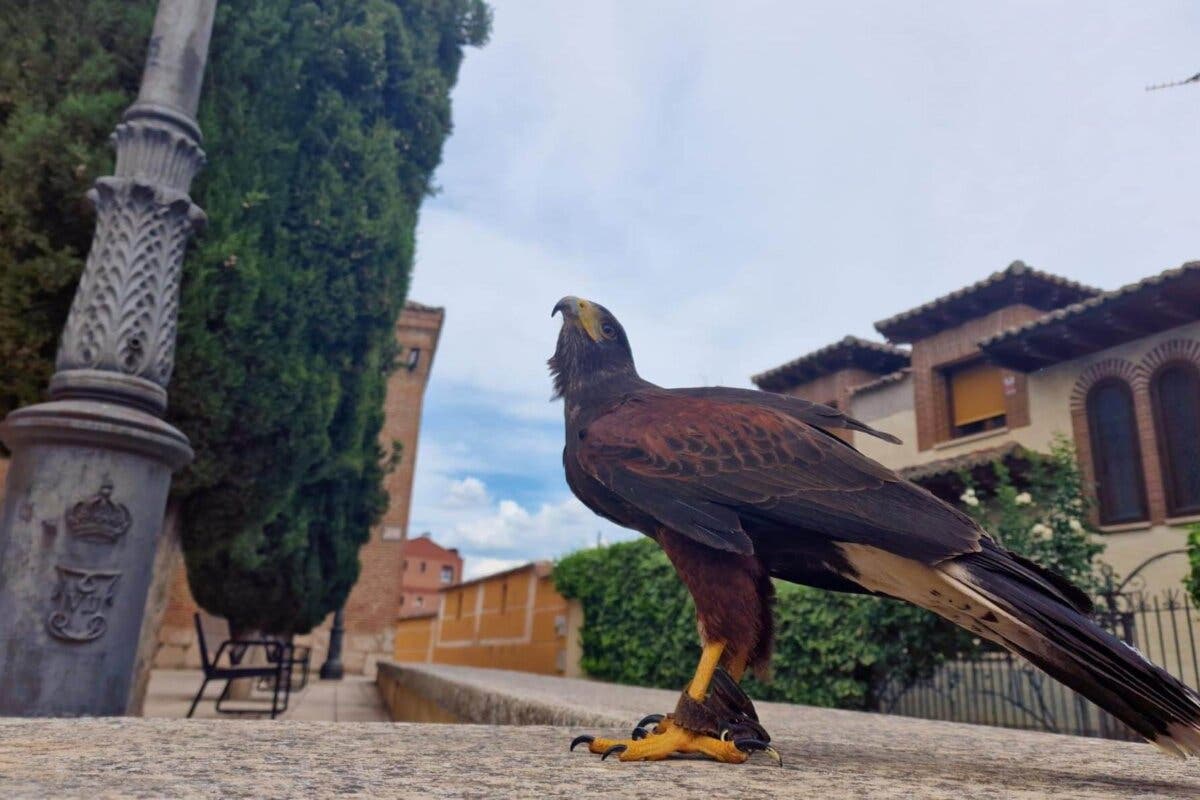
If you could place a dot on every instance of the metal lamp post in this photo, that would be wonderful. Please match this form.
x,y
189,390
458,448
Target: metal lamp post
x,y
91,468
331,670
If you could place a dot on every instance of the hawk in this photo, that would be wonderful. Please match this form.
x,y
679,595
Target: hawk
x,y
740,487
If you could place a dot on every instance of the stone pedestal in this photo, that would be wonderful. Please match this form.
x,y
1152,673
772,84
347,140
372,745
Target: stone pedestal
x,y
83,519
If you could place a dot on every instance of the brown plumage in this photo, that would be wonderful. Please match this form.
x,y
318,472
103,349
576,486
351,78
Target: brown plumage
x,y
738,486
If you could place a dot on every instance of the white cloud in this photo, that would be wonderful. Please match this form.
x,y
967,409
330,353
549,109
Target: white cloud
x,y
742,183
467,493
467,517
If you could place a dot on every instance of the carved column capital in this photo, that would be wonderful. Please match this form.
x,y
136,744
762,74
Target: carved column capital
x,y
123,319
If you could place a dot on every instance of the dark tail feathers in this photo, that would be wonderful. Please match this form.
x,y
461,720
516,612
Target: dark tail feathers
x,y
1054,633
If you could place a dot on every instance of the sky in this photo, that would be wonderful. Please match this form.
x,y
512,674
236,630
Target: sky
x,y
741,183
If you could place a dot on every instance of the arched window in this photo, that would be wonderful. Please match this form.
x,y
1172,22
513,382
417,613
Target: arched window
x,y
1116,456
1175,390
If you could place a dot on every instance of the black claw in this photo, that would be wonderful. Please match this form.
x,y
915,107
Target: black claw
x,y
616,748
655,718
748,745
638,733
584,739
753,745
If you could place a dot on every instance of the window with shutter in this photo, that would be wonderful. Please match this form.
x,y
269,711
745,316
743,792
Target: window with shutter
x,y
976,401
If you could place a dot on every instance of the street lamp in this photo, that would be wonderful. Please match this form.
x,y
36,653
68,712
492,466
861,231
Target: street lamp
x,y
331,670
91,468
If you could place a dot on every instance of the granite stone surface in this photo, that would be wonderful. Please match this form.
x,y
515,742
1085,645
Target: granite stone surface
x,y
827,754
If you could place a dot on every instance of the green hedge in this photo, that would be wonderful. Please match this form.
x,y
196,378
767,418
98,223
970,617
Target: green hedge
x,y
831,649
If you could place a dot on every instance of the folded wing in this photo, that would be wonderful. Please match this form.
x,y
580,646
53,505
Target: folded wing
x,y
714,468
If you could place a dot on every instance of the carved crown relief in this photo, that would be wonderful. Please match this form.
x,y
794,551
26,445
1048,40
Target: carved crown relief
x,y
98,518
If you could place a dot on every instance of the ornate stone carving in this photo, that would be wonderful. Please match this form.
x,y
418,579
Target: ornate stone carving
x,y
98,518
123,318
81,598
154,152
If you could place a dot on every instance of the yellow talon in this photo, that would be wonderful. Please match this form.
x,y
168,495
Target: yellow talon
x,y
674,740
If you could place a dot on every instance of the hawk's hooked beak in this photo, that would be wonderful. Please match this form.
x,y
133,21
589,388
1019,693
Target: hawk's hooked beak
x,y
582,313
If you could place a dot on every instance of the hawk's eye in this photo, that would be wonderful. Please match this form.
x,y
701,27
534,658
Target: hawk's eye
x,y
608,330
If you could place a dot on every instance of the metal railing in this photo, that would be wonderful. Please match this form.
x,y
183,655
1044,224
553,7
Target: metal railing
x,y
998,688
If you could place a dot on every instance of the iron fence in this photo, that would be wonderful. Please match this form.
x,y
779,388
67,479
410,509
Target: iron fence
x,y
998,688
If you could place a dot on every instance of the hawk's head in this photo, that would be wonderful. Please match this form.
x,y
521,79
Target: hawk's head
x,y
592,346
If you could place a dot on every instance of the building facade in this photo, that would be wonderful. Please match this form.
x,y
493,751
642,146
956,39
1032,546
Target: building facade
x,y
1023,356
514,619
426,570
376,599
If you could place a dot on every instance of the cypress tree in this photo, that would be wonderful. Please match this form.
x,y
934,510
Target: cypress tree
x,y
67,71
323,122
327,122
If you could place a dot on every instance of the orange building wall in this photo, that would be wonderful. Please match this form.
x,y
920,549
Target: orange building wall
x,y
515,620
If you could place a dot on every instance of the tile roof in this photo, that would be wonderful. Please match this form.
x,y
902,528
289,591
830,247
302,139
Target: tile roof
x,y
412,305
883,380
1018,283
974,458
849,351
1158,302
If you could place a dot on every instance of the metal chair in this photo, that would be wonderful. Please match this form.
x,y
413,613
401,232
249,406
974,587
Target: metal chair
x,y
277,669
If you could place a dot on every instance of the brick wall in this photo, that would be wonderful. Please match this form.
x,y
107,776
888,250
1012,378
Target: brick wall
x,y
956,345
422,575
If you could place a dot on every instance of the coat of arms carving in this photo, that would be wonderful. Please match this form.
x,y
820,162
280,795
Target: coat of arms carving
x,y
81,598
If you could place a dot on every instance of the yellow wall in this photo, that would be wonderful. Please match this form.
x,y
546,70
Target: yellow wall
x,y
413,637
515,620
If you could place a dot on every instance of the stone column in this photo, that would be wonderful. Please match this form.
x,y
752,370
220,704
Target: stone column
x,y
91,468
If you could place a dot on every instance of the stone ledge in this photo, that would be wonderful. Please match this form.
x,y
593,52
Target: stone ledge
x,y
891,758
827,753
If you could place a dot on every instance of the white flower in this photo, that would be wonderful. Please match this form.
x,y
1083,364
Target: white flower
x,y
1041,530
1023,499
1074,525
969,498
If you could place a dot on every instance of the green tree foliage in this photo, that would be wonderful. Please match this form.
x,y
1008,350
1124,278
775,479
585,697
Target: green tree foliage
x,y
832,649
1045,517
324,122
1192,581
67,71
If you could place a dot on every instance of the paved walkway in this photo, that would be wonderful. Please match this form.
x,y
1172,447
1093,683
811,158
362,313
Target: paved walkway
x,y
352,699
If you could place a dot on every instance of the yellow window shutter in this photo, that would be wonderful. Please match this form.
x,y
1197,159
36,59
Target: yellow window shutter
x,y
976,393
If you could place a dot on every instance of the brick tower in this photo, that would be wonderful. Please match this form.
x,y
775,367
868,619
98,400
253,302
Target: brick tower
x,y
374,603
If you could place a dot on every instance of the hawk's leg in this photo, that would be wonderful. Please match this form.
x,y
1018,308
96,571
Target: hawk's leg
x,y
714,718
